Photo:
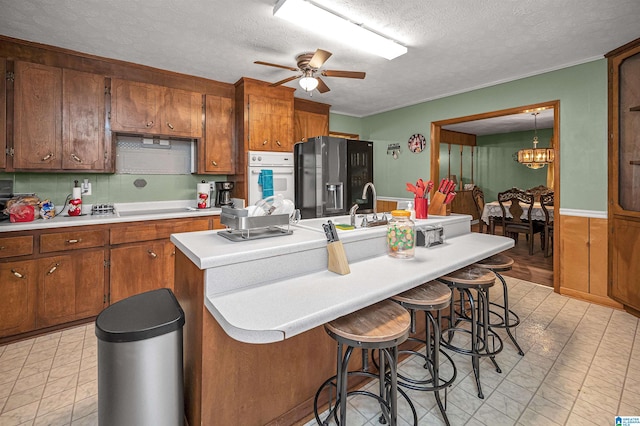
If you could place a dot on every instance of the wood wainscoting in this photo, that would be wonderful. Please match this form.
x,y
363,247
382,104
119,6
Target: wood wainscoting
x,y
583,259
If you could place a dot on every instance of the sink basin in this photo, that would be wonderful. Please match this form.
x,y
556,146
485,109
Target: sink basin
x,y
127,213
316,223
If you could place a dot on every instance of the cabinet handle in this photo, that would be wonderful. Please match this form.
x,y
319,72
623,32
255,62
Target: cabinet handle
x,y
152,254
265,142
74,241
46,157
17,274
214,163
149,124
1,247
76,158
53,269
278,143
169,125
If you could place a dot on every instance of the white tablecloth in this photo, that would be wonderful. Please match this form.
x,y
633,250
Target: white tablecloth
x,y
493,209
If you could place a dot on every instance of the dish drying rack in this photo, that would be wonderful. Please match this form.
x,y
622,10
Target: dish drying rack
x,y
242,227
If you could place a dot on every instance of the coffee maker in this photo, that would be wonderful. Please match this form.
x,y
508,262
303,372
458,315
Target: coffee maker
x,y
223,193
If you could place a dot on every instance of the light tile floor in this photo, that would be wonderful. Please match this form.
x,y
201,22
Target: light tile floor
x,y
581,367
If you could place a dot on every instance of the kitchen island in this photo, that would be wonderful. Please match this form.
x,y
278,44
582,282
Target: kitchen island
x,y
255,348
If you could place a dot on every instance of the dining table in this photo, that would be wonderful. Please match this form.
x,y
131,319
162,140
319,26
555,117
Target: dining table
x,y
492,210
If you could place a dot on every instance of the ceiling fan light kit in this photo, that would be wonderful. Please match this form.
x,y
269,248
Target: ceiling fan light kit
x,y
302,12
308,66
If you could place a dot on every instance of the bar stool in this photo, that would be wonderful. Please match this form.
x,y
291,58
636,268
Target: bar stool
x,y
381,326
465,280
431,296
500,263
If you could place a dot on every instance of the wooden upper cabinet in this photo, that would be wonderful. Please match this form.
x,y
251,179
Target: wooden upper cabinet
x,y
59,119
217,151
310,119
265,117
143,108
180,113
134,106
3,113
83,122
309,124
270,124
37,134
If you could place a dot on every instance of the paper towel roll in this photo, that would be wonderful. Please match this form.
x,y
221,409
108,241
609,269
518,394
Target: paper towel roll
x,y
202,196
76,193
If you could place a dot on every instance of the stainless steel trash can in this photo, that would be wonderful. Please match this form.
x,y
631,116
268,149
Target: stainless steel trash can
x,y
140,379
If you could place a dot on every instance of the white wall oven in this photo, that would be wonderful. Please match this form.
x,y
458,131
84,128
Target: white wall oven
x,y
280,166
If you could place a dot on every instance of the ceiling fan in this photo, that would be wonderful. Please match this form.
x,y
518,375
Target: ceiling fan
x,y
309,65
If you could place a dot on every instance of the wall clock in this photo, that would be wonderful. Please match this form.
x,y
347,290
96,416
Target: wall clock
x,y
417,143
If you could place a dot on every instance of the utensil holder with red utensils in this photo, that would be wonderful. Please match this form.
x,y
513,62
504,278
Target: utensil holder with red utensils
x,y
421,206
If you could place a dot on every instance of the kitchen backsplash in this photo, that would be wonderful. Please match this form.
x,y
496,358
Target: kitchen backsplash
x,y
116,188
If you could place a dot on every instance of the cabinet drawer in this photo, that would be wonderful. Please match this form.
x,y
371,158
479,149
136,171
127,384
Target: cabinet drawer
x,y
16,246
157,230
71,240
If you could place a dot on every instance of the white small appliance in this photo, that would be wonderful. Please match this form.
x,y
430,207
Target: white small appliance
x,y
281,166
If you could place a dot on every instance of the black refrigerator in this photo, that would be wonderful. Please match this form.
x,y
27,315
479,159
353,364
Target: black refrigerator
x,y
330,174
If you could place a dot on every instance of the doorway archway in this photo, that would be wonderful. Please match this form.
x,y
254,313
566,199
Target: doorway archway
x,y
436,128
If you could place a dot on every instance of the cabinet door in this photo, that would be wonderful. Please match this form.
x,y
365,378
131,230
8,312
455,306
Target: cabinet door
x,y
140,267
309,124
70,287
83,117
625,241
17,297
281,125
218,141
180,114
37,116
259,124
3,113
134,107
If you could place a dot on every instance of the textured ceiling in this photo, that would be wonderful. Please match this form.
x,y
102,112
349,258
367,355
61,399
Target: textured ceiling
x,y
454,45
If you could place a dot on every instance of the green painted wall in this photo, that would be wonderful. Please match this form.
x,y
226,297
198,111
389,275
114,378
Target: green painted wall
x,y
582,91
345,124
500,148
115,188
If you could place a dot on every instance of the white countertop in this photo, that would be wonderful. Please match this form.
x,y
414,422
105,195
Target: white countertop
x,y
125,212
268,290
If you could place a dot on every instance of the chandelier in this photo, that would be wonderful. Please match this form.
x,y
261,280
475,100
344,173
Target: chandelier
x,y
535,158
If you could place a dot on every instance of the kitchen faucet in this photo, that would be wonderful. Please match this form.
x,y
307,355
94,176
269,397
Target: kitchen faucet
x,y
352,213
375,198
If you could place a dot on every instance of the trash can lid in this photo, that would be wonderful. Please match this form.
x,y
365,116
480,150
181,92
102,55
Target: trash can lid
x,y
140,317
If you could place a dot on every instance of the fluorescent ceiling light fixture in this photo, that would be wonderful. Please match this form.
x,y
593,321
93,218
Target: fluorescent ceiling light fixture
x,y
309,15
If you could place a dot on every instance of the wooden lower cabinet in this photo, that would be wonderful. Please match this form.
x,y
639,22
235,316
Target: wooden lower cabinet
x,y
70,287
140,267
18,282
626,268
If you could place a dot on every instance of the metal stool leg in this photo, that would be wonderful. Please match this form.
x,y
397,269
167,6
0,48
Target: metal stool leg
x,y
507,320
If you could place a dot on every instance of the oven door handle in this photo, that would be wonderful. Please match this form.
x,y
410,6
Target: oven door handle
x,y
256,172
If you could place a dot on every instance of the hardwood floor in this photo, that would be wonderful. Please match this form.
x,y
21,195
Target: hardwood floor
x,y
533,268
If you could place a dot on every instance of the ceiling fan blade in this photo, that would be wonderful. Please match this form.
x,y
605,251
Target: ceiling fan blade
x,y
286,80
322,87
276,65
347,74
319,58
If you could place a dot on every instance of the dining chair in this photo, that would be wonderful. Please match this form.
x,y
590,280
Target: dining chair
x,y
537,191
478,199
546,200
519,203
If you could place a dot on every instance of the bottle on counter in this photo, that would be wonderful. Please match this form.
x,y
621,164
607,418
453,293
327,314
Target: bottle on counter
x,y
401,234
